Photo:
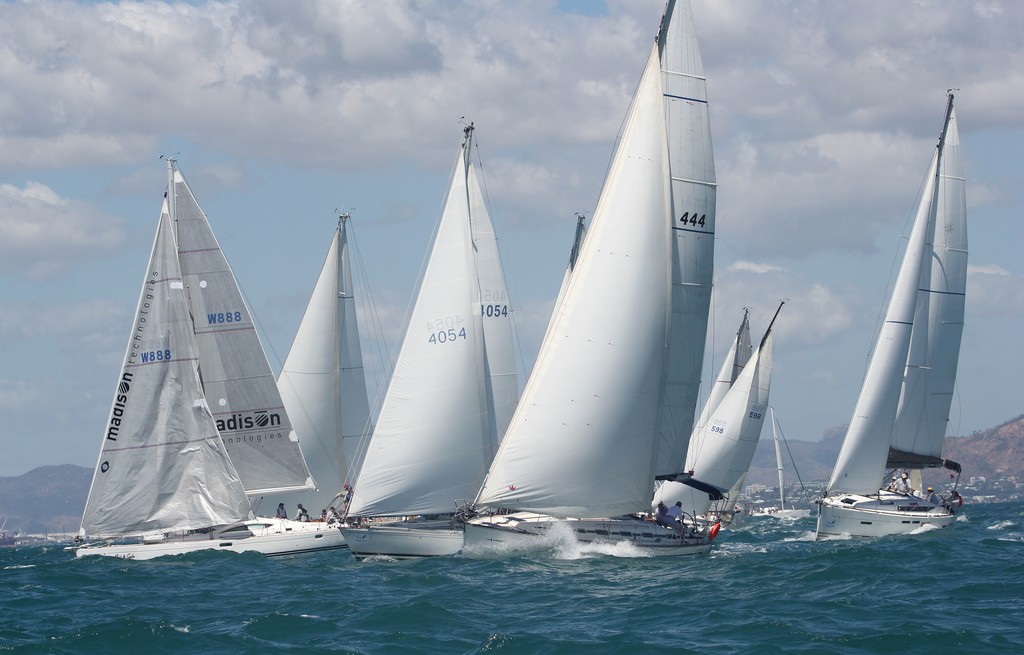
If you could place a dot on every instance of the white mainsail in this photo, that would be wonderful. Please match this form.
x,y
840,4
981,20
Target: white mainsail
x,y
581,442
927,300
236,375
322,383
162,465
693,192
439,420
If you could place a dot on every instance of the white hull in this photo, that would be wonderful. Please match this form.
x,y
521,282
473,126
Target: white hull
x,y
789,514
525,531
877,516
271,537
404,540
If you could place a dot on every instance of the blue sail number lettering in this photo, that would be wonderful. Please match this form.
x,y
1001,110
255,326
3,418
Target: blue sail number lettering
x,y
156,356
224,317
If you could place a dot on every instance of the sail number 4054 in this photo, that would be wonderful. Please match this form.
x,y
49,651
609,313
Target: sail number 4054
x,y
446,336
494,310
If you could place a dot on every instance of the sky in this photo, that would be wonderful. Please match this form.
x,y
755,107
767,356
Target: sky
x,y
824,118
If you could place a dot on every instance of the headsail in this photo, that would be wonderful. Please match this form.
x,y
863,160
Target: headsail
x,y
435,433
162,465
589,410
322,383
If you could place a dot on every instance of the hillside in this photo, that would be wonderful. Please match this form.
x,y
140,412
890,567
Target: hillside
x,y
46,499
993,453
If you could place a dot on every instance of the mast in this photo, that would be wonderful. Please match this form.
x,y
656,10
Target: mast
x,y
778,459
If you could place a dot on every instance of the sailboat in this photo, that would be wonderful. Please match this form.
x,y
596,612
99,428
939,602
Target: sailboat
x,y
726,435
613,390
901,414
781,511
196,425
451,394
322,382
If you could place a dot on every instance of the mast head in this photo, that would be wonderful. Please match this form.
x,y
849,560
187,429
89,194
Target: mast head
x,y
343,217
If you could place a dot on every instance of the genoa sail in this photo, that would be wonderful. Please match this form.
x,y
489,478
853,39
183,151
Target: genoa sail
x,y
162,465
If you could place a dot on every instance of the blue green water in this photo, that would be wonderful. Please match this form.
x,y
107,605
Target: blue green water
x,y
767,587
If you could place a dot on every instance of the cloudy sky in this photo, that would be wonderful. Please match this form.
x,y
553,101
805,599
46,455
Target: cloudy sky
x,y
824,117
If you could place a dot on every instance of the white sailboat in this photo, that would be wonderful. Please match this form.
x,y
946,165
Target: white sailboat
x,y
901,414
323,384
196,426
781,512
602,413
726,435
452,392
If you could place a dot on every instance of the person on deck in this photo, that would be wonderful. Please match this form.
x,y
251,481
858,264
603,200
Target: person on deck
x,y
675,515
903,485
934,498
282,513
301,514
661,515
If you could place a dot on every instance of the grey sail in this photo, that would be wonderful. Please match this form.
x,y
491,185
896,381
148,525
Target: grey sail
x,y
236,376
162,465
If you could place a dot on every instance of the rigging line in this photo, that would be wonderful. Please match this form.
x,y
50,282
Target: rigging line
x,y
789,452
379,350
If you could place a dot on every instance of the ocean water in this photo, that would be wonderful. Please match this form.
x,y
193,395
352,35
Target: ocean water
x,y
767,587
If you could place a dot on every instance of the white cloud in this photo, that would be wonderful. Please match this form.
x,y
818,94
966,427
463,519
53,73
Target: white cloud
x,y
44,233
994,291
754,267
813,314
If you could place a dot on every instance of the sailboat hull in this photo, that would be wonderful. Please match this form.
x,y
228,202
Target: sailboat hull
x,y
877,516
405,539
527,531
271,537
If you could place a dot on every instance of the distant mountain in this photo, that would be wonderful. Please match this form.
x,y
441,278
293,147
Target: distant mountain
x,y
994,453
48,499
